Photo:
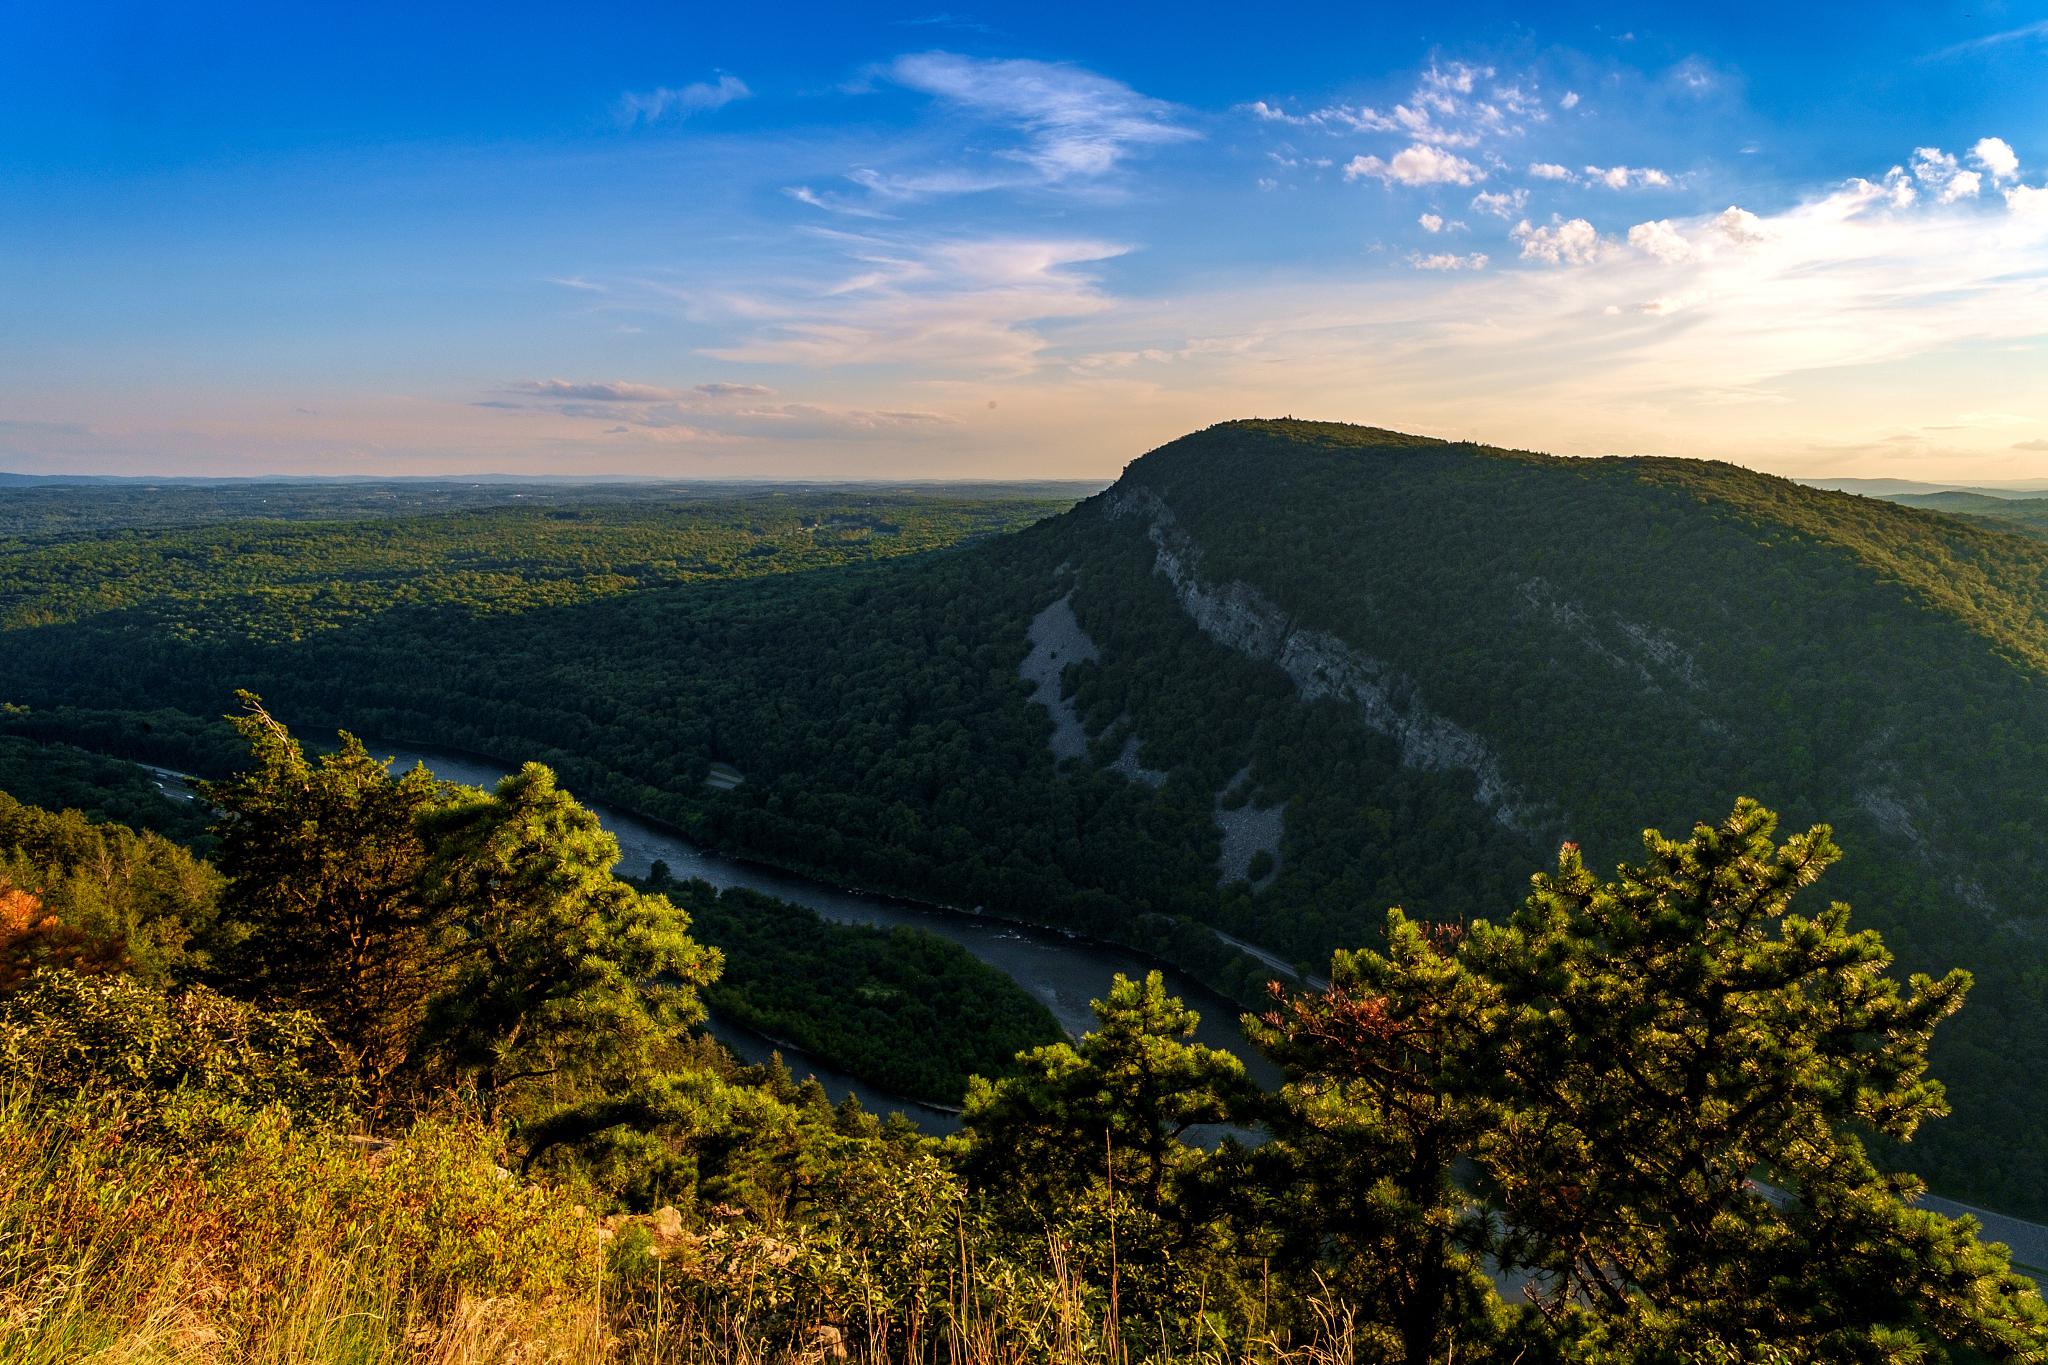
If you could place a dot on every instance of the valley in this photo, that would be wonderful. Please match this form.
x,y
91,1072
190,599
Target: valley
x,y
1264,659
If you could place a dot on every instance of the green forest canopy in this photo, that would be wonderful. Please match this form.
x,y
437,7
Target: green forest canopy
x,y
1632,641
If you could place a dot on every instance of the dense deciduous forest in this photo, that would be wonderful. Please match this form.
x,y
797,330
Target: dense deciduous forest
x,y
1626,641
900,1008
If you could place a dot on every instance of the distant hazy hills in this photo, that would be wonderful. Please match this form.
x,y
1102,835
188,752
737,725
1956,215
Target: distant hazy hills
x,y
1896,488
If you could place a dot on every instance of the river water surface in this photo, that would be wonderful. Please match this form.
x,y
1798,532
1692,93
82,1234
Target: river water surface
x,y
1062,972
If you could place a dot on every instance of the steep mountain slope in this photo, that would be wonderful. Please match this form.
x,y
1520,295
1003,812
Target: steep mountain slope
x,y
1278,677
1584,647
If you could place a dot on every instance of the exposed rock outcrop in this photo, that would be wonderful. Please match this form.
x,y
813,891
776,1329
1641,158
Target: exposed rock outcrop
x,y
1248,830
1240,617
1127,763
1056,641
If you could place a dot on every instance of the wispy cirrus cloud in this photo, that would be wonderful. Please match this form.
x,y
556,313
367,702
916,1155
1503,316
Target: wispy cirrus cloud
x,y
712,414
832,202
1453,104
680,102
1072,127
2034,32
614,391
953,304
1449,260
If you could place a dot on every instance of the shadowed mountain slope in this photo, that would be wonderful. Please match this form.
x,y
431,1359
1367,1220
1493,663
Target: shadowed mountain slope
x,y
1279,676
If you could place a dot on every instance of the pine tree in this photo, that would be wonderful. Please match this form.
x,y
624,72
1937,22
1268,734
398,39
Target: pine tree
x,y
1685,1071
1379,1100
321,910
557,969
1091,1139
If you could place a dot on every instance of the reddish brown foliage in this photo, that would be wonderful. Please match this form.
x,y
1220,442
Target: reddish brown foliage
x,y
32,937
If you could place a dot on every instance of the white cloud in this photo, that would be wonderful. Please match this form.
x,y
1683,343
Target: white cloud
x,y
653,106
1694,76
2028,202
1444,109
1572,242
963,305
1549,170
1455,78
1733,227
1501,203
1417,164
1449,261
1996,155
1622,177
1431,222
1741,227
1075,124
1661,240
726,390
1570,100
1940,172
1896,189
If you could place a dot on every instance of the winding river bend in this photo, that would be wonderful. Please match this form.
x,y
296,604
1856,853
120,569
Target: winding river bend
x,y
1062,972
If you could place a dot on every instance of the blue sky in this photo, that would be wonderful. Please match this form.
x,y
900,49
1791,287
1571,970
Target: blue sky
x,y
1017,241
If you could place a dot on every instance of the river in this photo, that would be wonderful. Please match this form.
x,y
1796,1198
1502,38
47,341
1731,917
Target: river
x,y
1061,971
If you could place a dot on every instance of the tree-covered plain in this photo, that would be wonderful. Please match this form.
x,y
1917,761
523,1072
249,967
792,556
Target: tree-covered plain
x,y
39,509
1628,642
59,776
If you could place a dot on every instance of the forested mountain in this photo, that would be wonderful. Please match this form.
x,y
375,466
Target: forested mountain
x,y
1279,677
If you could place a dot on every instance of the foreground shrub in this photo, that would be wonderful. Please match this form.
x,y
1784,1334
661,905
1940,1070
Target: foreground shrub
x,y
66,1034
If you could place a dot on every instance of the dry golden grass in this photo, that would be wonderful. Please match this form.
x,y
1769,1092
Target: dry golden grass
x,y
204,1235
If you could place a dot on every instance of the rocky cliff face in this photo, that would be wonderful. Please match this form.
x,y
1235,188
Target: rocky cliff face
x,y
1240,617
